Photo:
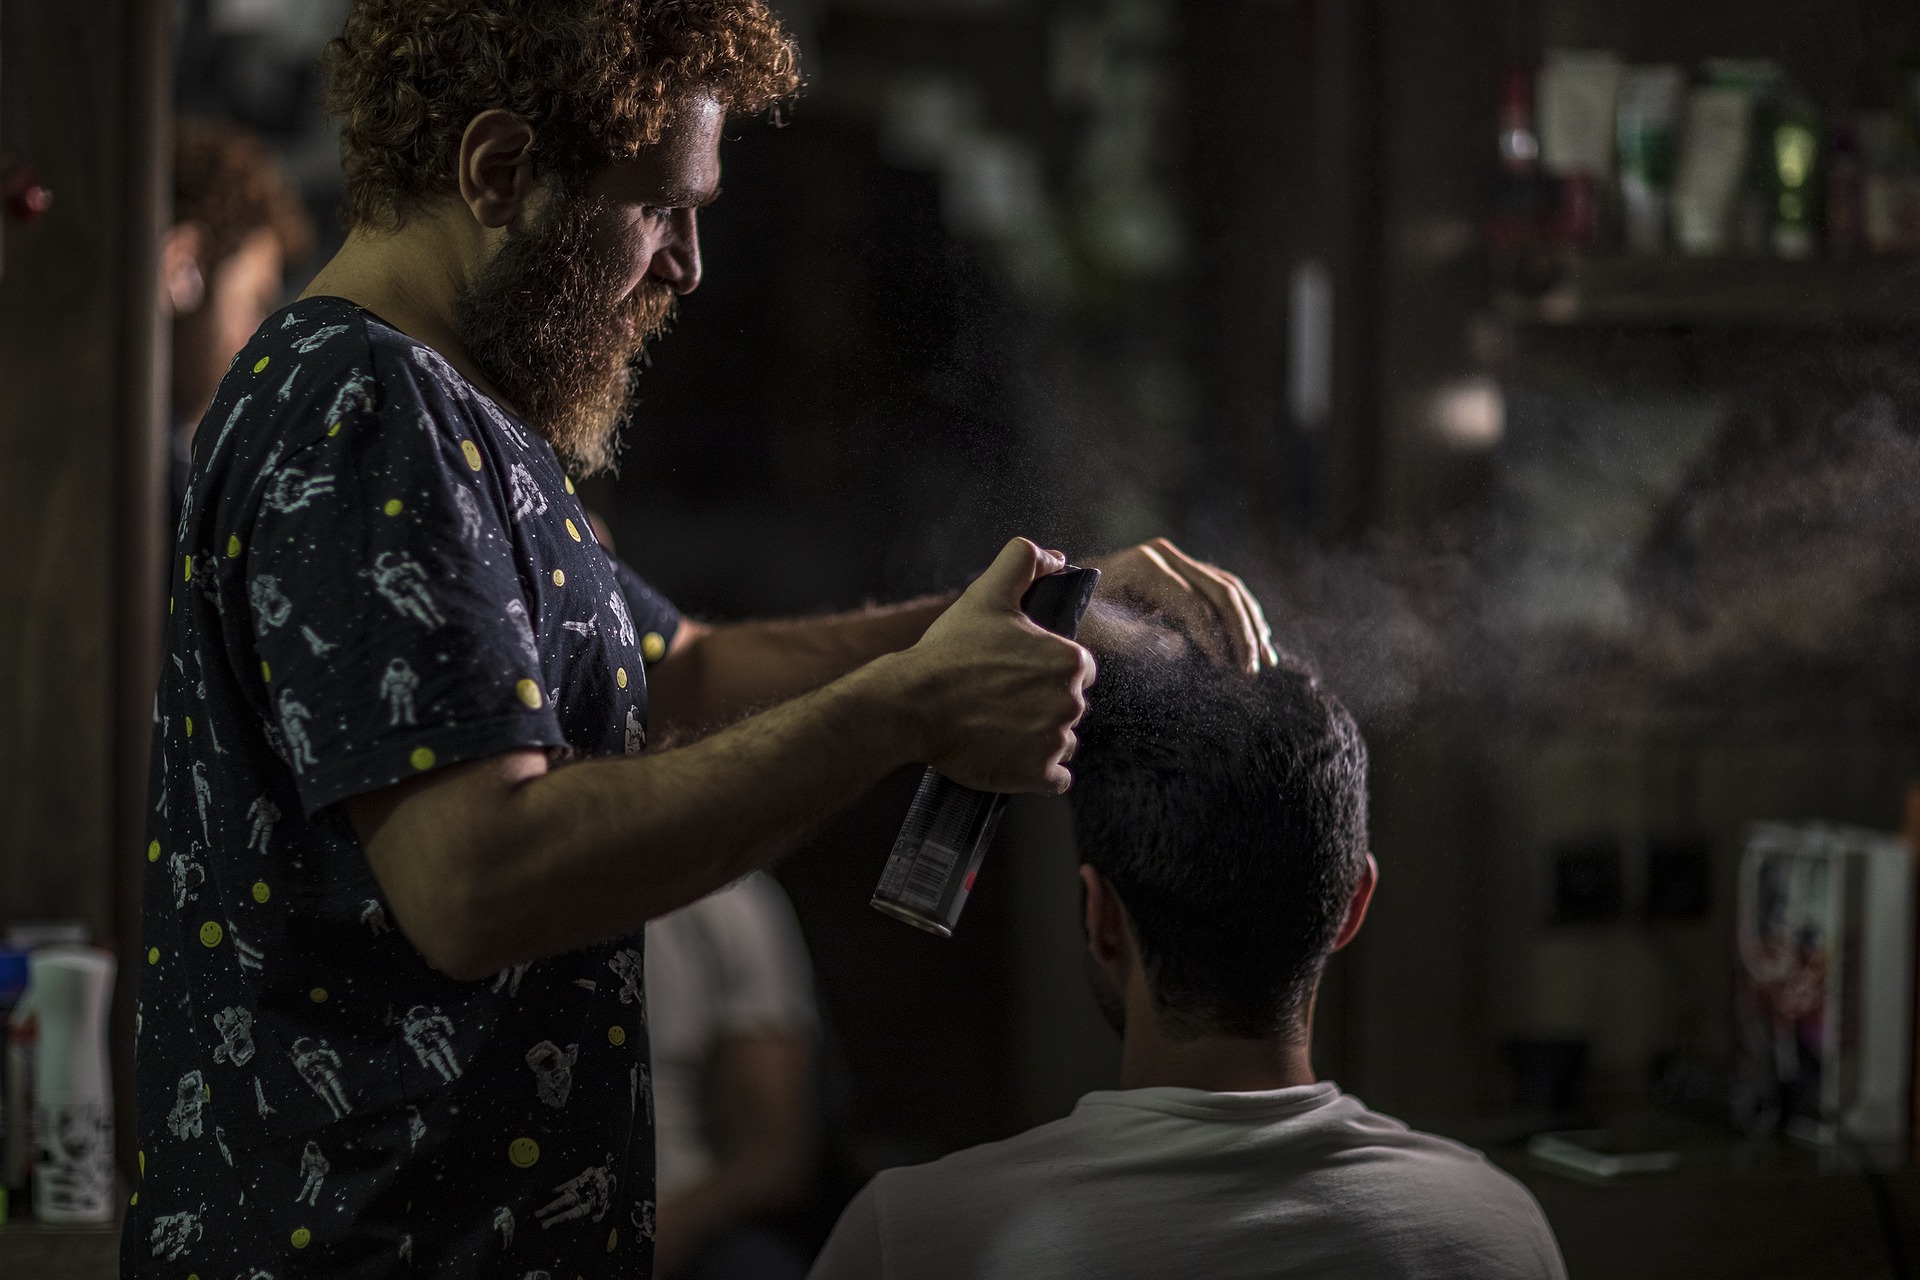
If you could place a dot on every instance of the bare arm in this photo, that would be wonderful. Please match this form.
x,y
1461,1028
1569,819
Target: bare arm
x,y
761,1097
503,861
715,675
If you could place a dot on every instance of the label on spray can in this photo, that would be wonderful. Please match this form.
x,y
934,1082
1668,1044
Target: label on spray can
x,y
948,828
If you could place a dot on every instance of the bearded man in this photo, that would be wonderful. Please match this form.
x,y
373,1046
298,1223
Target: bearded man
x,y
394,639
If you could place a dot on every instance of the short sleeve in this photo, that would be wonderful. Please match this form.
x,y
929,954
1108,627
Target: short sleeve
x,y
655,620
766,978
392,629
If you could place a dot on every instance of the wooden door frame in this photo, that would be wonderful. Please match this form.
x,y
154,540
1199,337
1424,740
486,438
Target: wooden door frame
x,y
140,536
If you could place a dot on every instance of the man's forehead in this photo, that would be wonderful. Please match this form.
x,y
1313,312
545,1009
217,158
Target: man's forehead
x,y
682,169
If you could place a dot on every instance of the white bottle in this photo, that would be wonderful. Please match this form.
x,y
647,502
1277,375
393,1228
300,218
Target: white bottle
x,y
68,992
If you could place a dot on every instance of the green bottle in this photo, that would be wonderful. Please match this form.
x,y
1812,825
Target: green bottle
x,y
1797,169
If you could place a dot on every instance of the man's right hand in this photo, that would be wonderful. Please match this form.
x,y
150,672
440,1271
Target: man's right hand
x,y
495,862
996,696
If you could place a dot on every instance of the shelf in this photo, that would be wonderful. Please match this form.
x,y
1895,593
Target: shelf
x,y
1725,292
1732,1208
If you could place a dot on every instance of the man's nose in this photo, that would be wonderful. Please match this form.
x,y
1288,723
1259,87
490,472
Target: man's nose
x,y
677,262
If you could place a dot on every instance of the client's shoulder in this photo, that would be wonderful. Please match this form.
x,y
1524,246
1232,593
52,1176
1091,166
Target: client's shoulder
x,y
1353,1134
1294,1182
1431,1199
992,1162
976,1178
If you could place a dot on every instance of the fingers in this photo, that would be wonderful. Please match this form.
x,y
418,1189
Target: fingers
x,y
1058,777
1255,612
1214,606
1169,592
1089,667
1202,603
1014,570
1259,620
1233,605
1024,687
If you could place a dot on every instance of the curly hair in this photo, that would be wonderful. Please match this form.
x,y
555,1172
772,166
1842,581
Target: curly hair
x,y
597,80
227,182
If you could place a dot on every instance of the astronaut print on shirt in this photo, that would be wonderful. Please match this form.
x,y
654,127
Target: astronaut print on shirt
x,y
377,573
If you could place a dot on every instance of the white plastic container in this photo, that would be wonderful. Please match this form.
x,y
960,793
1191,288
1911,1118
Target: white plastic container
x,y
1713,159
69,990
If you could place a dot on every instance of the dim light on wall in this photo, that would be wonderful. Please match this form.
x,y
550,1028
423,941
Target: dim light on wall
x,y
1470,414
1310,346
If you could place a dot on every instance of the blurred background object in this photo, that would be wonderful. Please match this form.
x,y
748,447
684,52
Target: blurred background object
x,y
736,1043
237,225
1548,366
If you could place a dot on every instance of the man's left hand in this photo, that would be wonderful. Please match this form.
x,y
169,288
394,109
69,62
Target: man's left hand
x,y
1212,605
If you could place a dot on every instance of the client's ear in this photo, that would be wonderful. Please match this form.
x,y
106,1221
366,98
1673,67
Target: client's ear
x,y
1357,904
1109,941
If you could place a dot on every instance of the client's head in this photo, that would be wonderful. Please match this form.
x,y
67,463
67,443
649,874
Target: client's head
x,y
1228,817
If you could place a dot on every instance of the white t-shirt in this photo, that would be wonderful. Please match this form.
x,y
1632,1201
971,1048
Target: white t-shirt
x,y
1170,1182
731,964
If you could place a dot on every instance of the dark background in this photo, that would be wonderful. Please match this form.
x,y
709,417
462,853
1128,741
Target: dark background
x,y
1026,266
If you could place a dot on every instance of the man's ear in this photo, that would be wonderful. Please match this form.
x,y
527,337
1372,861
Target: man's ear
x,y
496,168
1357,904
1108,940
183,285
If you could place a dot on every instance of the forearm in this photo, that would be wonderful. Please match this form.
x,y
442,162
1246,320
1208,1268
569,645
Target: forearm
x,y
729,671
501,861
515,871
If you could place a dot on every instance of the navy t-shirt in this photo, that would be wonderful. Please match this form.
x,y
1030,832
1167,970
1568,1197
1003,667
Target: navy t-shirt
x,y
378,572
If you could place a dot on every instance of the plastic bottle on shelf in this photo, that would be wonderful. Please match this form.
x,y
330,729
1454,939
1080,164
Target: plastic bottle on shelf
x,y
18,1038
1797,168
68,992
1756,195
1519,139
1713,155
1887,182
1517,224
1648,137
1578,99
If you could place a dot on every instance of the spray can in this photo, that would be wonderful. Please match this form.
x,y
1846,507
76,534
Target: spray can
x,y
948,828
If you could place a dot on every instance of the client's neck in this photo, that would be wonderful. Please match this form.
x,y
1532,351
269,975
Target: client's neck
x,y
1150,1056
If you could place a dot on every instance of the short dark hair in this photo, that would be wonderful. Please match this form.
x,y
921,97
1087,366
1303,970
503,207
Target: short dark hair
x,y
596,79
1230,814
228,182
